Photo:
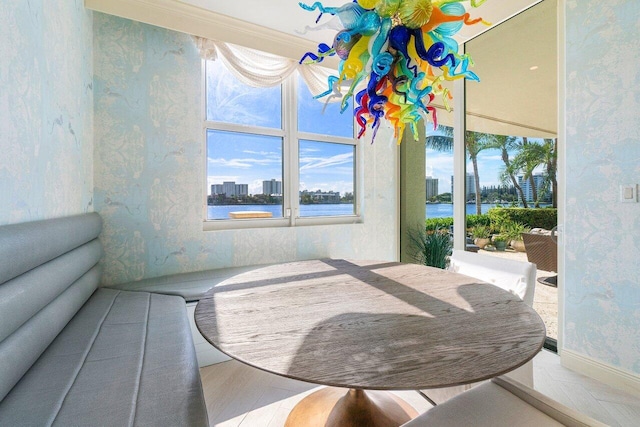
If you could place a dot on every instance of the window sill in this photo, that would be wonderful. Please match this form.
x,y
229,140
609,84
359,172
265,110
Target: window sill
x,y
238,224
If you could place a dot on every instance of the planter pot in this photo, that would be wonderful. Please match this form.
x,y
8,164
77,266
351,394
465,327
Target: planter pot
x,y
481,242
500,245
518,245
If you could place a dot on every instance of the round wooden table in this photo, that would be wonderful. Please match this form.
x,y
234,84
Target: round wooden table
x,y
368,325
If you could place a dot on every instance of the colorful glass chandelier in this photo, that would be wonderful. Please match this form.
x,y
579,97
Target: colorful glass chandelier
x,y
401,52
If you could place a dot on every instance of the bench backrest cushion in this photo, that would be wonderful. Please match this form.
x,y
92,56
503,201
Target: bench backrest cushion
x,y
48,269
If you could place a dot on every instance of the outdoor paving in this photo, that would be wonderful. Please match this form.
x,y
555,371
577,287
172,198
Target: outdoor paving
x,y
545,298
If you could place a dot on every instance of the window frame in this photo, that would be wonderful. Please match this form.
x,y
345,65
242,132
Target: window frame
x,y
290,164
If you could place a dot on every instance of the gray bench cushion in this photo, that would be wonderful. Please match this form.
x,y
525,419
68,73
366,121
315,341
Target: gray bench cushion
x,y
47,272
190,286
126,358
27,245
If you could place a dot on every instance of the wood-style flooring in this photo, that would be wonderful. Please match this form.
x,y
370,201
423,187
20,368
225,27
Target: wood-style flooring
x,y
238,395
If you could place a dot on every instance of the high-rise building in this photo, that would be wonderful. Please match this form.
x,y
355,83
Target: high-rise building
x,y
527,190
470,185
272,187
432,187
242,189
230,189
216,189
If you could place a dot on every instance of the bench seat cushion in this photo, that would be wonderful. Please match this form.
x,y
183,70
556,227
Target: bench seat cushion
x,y
487,405
502,402
190,286
126,358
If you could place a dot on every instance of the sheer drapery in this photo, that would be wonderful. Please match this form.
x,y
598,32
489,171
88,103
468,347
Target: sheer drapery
x,y
260,69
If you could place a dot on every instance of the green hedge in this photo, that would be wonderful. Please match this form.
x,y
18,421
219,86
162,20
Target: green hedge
x,y
532,217
472,220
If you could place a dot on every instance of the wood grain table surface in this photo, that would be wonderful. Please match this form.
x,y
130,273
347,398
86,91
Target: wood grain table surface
x,y
369,324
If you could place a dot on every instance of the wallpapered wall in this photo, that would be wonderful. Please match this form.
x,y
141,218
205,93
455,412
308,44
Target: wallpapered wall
x,y
602,307
46,109
149,169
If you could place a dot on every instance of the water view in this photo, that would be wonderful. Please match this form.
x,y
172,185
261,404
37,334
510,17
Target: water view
x,y
433,210
222,211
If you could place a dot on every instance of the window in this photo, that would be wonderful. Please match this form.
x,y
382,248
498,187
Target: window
x,y
276,156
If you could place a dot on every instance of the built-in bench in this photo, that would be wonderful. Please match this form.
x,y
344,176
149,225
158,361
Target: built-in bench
x,y
190,286
73,354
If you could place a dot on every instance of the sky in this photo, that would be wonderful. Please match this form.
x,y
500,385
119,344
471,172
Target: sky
x,y
490,165
250,159
440,165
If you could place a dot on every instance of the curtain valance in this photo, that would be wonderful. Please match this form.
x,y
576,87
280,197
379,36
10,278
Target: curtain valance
x,y
261,69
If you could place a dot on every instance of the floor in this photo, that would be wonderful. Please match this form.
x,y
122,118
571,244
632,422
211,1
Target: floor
x,y
238,395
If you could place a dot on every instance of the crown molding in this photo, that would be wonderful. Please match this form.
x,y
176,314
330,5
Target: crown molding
x,y
189,19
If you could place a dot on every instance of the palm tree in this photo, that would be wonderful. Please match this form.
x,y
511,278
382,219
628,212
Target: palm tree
x,y
531,160
549,153
442,140
506,144
474,143
533,155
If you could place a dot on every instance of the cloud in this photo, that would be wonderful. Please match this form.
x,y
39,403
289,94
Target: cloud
x,y
269,154
309,163
245,163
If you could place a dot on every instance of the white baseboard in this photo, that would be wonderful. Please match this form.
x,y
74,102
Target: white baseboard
x,y
615,377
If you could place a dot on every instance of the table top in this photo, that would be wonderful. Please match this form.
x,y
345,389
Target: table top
x,y
370,324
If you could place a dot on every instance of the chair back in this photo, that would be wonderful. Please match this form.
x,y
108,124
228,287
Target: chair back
x,y
517,277
542,250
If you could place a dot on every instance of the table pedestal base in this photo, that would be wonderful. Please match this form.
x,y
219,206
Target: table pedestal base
x,y
331,407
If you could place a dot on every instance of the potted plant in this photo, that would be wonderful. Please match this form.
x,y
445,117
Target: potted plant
x,y
431,247
500,241
481,234
514,232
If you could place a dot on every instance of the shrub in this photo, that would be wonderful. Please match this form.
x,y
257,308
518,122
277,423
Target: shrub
x,y
514,230
481,231
531,217
476,220
431,248
432,224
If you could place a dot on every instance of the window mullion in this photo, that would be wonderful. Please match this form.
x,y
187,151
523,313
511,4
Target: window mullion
x,y
290,117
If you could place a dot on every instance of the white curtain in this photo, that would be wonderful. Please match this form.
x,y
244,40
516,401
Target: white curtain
x,y
260,69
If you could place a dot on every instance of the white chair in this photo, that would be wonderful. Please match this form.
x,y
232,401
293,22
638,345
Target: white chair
x,y
517,277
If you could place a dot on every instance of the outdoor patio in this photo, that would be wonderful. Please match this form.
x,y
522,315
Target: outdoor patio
x,y
545,300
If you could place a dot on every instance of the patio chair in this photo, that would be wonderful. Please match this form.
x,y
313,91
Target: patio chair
x,y
517,277
542,250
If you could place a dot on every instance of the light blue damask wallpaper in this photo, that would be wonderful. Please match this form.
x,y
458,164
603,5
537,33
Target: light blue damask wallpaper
x,y
46,109
149,169
602,289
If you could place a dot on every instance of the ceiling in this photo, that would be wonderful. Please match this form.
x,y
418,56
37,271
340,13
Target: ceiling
x,y
510,99
286,16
